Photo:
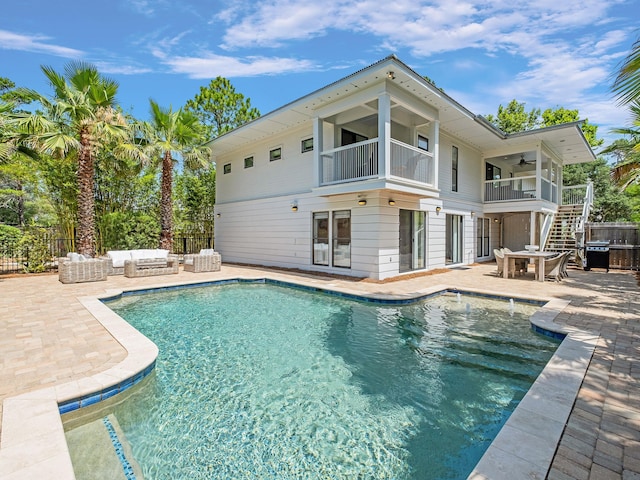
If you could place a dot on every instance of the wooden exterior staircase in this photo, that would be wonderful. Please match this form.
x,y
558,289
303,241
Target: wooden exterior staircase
x,y
562,236
567,230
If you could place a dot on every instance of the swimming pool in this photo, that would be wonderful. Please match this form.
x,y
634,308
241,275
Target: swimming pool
x,y
261,381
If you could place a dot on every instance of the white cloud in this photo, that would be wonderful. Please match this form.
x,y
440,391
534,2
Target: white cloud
x,y
270,23
210,65
35,43
120,69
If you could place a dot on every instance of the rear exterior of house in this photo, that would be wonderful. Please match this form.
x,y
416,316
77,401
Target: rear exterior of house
x,y
382,174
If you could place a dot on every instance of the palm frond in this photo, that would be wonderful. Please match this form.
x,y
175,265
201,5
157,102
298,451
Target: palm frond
x,y
627,83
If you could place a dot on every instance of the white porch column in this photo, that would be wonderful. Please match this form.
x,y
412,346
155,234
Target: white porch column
x,y
384,135
532,231
318,147
538,173
436,152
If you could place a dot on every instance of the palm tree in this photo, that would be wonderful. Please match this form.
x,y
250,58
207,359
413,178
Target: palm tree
x,y
78,119
627,83
626,150
167,133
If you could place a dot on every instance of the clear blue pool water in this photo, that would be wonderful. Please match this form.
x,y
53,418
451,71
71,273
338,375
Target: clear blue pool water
x,y
269,382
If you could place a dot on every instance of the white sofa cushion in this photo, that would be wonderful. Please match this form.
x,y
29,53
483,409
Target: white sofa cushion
x,y
149,253
76,257
207,251
118,257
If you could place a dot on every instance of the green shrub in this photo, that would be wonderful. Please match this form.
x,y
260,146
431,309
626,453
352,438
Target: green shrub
x,y
9,238
35,251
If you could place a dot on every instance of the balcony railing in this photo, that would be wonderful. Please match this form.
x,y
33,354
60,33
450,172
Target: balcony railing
x,y
574,195
520,188
359,161
349,163
524,188
411,163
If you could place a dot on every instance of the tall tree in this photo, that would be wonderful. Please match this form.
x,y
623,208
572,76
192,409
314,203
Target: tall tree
x,y
77,119
167,133
513,118
220,108
627,83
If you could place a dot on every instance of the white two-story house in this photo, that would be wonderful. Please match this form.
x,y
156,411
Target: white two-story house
x,y
381,174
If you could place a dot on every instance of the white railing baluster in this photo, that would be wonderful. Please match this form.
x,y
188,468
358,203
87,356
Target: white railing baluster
x,y
359,161
518,188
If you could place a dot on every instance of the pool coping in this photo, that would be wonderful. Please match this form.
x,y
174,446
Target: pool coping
x,y
524,447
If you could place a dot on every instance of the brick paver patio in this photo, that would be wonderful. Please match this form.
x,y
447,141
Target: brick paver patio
x,y
47,338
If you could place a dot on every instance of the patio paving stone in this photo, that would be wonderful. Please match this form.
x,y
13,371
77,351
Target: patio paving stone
x,y
48,338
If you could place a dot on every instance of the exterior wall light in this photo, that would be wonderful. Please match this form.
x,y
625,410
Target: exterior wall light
x,y
391,75
217,215
392,202
496,220
362,201
294,206
473,214
438,210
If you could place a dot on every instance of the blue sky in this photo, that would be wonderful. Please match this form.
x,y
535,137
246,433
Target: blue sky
x,y
546,53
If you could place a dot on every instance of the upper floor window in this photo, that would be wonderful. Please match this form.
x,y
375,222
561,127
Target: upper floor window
x,y
493,172
227,168
454,169
248,162
348,137
423,143
275,154
307,145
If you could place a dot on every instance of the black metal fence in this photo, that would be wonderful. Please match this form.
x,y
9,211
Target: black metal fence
x,y
18,257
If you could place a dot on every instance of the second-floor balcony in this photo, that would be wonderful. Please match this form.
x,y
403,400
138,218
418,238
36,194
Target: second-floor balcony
x,y
360,161
525,188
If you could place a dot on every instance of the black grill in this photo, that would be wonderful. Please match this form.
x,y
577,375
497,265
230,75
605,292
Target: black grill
x,y
597,254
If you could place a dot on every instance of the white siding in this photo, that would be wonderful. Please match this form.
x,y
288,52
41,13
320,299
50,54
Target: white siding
x,y
470,171
293,173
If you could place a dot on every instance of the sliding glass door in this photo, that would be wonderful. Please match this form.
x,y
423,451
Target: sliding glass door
x,y
413,240
454,239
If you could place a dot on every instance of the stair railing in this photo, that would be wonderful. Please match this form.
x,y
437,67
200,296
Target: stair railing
x,y
545,231
586,209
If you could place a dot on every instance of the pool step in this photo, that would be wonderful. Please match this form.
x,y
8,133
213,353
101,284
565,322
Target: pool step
x,y
99,449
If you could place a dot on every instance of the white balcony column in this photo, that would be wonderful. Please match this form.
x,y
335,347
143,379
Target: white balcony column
x,y
436,152
538,173
384,135
560,181
318,146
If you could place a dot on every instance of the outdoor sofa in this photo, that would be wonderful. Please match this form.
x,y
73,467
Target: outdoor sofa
x,y
116,259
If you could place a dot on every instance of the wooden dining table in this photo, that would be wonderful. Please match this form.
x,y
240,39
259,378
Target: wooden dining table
x,y
538,258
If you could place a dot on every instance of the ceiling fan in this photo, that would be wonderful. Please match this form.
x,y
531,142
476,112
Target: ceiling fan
x,y
523,162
